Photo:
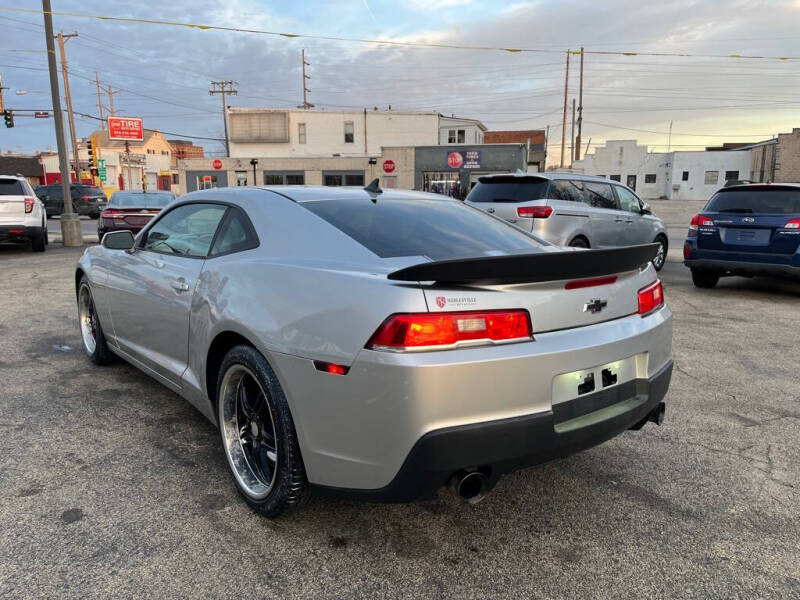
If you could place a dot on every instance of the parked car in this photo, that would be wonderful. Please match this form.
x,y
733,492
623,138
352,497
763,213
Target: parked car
x,y
86,199
572,210
746,230
131,211
22,215
378,344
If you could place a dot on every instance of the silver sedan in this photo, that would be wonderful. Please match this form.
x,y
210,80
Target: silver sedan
x,y
378,344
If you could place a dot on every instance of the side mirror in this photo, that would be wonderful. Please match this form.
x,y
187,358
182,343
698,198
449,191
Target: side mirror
x,y
646,210
118,240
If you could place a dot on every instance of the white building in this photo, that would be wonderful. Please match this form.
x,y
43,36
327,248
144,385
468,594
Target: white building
x,y
678,175
272,132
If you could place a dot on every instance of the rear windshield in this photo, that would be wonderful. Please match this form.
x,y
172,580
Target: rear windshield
x,y
437,229
87,190
11,187
140,200
768,201
509,189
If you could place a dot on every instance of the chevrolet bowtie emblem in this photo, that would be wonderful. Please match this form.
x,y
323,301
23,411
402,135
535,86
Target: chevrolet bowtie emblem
x,y
595,305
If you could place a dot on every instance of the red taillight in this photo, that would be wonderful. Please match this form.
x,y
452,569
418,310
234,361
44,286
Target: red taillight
x,y
331,368
29,202
793,224
584,283
16,231
86,198
650,298
687,251
535,212
700,221
433,330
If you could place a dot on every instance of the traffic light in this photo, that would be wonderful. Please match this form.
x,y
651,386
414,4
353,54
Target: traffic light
x,y
8,117
92,152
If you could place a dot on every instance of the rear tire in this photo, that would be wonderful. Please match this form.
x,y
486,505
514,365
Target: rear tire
x,y
661,256
39,241
704,279
94,342
579,242
258,434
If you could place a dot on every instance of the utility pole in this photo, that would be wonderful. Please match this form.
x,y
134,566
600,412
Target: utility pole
x,y
224,87
580,113
572,136
564,119
306,103
669,139
546,142
99,102
64,72
111,93
70,225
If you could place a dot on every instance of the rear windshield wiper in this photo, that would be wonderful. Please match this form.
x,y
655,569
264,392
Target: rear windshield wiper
x,y
736,210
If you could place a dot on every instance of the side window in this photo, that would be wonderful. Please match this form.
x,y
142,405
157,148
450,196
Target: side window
x,y
187,230
563,189
628,200
600,195
235,234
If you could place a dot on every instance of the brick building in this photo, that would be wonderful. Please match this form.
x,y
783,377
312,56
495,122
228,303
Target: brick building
x,y
777,159
535,139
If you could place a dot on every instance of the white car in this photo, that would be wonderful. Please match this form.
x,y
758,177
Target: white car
x,y
22,215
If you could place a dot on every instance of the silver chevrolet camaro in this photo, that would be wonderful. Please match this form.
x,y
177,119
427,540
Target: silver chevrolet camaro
x,y
378,344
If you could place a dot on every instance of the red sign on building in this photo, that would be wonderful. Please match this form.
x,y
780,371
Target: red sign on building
x,y
217,164
389,166
125,128
455,160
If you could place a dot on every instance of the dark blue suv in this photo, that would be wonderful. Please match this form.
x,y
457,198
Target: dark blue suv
x,y
746,230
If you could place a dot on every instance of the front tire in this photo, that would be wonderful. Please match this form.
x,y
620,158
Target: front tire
x,y
258,434
661,256
94,342
704,279
579,242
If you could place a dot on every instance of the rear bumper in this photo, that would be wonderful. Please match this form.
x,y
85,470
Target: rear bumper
x,y
504,446
357,431
21,232
740,263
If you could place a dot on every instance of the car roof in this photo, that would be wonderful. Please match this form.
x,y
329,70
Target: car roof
x,y
761,186
552,175
17,177
306,193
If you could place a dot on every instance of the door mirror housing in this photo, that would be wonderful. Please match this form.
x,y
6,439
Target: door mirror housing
x,y
646,210
118,240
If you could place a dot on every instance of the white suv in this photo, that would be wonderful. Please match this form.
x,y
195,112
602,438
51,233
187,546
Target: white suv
x,y
22,214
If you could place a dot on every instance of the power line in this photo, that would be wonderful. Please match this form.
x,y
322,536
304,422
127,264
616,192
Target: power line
x,y
380,42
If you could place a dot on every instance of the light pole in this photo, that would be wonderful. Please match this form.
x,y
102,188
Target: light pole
x,y
254,162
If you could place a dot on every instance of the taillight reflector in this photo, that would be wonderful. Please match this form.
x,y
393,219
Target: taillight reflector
x,y
650,298
331,368
86,198
437,330
29,202
535,212
793,224
700,221
687,251
584,283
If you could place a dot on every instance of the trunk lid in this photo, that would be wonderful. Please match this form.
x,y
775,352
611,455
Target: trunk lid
x,y
749,233
550,304
12,201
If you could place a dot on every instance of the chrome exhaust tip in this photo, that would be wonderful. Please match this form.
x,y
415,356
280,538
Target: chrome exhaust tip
x,y
471,486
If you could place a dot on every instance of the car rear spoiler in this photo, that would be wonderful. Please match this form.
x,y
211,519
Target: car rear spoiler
x,y
530,268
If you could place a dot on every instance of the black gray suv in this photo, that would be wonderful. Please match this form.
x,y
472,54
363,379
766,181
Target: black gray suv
x,y
86,199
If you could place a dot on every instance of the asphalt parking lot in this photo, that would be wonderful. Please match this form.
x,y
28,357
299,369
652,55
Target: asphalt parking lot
x,y
112,486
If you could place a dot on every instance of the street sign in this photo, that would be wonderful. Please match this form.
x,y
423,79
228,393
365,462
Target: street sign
x,y
389,166
455,160
101,169
473,159
125,128
41,114
217,164
101,163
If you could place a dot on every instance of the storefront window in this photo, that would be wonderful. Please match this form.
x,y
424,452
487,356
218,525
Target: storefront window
x,y
241,178
333,178
445,183
206,182
278,178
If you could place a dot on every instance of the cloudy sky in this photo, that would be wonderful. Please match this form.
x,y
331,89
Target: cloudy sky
x,y
163,73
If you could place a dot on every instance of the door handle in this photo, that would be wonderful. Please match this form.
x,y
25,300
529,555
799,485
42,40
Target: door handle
x,y
490,210
180,285
629,220
618,220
